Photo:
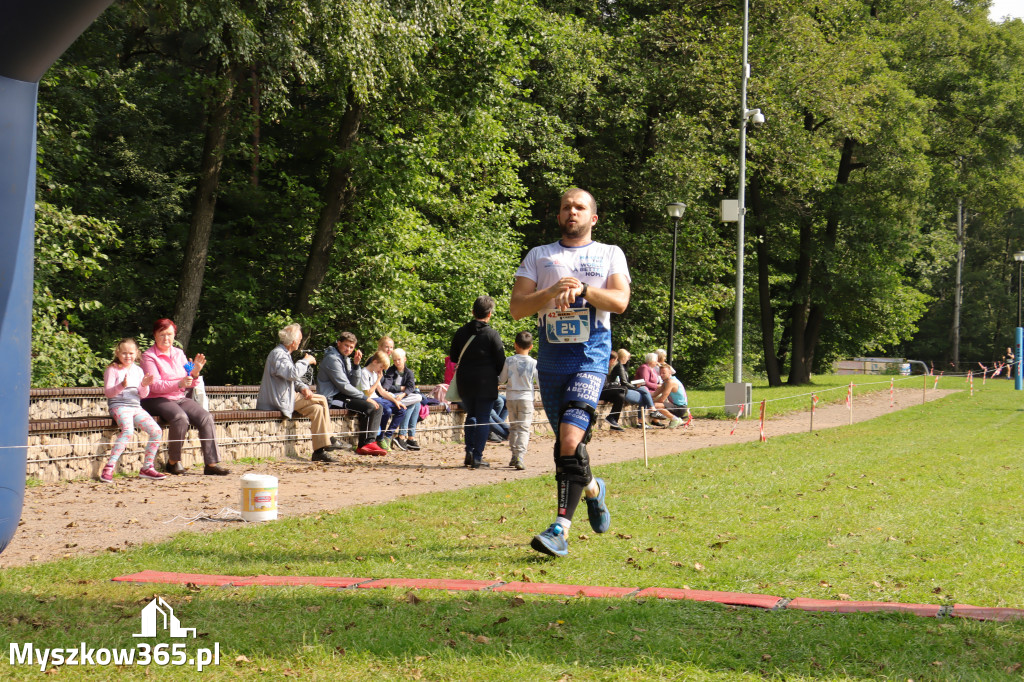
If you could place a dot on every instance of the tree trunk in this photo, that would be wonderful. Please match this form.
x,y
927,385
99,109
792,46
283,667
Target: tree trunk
x,y
194,264
337,195
799,311
811,304
771,360
958,291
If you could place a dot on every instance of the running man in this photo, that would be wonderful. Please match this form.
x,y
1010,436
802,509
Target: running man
x,y
573,286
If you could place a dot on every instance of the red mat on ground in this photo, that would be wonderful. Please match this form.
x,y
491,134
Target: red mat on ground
x,y
763,601
431,584
286,580
835,606
566,590
178,578
986,612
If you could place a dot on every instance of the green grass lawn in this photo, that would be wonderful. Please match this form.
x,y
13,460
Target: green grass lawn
x,y
918,506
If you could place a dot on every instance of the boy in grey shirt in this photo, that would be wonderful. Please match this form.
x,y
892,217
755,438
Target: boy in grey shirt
x,y
519,376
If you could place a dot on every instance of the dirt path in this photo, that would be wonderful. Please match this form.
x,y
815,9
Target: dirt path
x,y
84,517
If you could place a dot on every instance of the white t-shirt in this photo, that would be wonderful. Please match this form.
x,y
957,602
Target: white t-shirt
x,y
593,264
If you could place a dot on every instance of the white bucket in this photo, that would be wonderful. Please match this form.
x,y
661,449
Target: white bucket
x,y
259,497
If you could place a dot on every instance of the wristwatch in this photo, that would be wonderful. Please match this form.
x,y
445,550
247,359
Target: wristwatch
x,y
583,294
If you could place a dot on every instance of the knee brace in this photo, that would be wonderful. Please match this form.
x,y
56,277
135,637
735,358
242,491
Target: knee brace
x,y
575,467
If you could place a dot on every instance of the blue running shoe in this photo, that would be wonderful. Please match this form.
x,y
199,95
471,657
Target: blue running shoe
x,y
551,541
600,517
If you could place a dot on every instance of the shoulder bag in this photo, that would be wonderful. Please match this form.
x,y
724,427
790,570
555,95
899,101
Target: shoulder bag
x,y
452,395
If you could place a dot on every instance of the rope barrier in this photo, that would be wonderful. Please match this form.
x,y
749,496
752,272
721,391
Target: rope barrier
x,y
243,440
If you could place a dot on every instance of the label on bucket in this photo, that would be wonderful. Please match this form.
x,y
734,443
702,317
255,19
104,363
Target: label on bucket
x,y
257,499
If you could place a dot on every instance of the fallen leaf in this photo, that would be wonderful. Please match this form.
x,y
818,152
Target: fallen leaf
x,y
242,659
698,566
481,639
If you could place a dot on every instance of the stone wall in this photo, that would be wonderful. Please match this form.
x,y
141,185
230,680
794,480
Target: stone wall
x,y
66,403
61,452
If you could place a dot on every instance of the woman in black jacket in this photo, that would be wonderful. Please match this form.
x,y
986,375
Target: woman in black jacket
x,y
479,353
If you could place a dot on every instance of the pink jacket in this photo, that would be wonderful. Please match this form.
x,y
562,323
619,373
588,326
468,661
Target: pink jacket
x,y
113,380
168,370
645,372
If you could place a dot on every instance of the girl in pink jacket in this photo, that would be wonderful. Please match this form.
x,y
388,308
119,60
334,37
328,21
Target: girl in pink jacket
x,y
124,385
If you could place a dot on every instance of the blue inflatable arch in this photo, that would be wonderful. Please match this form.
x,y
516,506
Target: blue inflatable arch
x,y
33,34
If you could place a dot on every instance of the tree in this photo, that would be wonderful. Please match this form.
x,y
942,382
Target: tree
x,y
221,42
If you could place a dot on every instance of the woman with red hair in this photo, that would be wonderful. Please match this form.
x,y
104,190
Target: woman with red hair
x,y
174,375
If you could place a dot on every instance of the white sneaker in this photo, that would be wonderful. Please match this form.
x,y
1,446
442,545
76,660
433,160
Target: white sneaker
x,y
675,422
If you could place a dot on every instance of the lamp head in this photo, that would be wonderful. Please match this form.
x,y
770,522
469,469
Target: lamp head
x,y
1018,256
676,210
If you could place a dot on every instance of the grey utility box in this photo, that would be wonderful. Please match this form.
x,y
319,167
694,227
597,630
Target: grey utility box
x,y
737,395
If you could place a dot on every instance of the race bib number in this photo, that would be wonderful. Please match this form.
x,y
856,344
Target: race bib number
x,y
567,326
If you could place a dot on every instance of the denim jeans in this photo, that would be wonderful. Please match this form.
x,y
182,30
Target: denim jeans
x,y
387,408
407,420
640,396
478,414
499,417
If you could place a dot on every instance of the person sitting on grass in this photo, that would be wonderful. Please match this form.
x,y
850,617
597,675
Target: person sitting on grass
x,y
670,399
282,389
124,385
400,382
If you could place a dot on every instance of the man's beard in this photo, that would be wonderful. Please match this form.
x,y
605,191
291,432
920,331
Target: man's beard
x,y
577,229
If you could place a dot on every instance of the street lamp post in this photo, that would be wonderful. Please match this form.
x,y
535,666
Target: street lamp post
x,y
675,211
1019,336
737,393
